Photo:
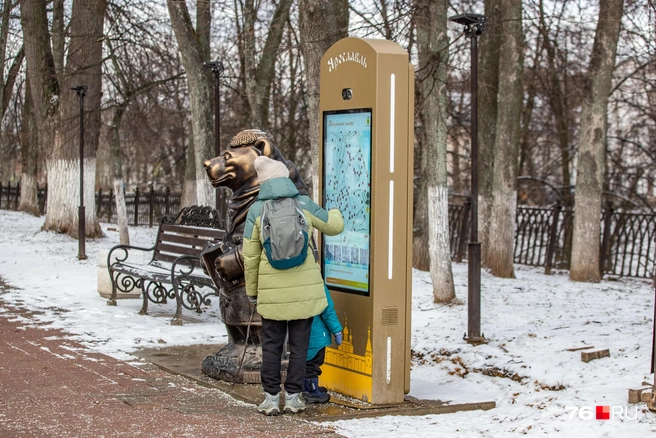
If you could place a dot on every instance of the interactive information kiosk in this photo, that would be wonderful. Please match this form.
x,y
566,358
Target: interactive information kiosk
x,y
366,156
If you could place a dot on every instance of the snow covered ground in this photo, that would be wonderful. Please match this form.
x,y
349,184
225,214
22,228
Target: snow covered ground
x,y
526,368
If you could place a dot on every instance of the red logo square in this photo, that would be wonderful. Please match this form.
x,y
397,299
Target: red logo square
x,y
603,412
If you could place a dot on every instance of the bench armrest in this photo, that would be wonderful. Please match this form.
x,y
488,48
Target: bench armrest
x,y
125,249
185,265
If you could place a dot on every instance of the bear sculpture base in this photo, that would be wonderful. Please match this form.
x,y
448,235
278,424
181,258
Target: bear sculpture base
x,y
227,364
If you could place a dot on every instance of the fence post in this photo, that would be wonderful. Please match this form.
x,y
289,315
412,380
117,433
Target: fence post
x,y
462,235
43,199
17,198
136,206
151,206
553,235
605,240
109,207
98,205
8,195
167,200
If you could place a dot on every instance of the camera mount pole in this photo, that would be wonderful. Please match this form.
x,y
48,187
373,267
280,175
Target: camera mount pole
x,y
474,26
217,69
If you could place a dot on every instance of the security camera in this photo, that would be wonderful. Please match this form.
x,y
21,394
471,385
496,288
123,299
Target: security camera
x,y
347,94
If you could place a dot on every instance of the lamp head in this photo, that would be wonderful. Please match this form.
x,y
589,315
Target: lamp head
x,y
80,88
216,66
469,20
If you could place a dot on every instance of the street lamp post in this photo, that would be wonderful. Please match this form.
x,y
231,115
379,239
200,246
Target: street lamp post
x,y
217,70
81,233
474,26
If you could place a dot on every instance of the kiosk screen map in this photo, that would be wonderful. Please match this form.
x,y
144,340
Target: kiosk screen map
x,y
347,186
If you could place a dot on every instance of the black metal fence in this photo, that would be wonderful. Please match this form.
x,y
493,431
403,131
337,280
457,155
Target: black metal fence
x,y
543,235
10,197
143,208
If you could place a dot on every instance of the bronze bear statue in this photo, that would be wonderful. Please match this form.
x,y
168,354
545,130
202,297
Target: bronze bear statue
x,y
234,169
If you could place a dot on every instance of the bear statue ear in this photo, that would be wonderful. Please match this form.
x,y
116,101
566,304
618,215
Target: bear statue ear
x,y
264,146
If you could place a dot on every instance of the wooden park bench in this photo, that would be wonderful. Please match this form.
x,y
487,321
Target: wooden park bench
x,y
174,270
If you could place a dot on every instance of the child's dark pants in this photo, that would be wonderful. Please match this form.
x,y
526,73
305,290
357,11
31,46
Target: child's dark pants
x,y
313,366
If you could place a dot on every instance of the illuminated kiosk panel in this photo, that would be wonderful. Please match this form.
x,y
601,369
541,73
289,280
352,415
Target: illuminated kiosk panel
x,y
368,86
347,186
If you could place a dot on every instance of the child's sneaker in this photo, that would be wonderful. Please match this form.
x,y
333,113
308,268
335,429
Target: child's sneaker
x,y
270,405
294,403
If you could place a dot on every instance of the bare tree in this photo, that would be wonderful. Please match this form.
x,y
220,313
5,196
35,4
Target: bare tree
x,y
433,48
194,53
488,89
129,47
501,237
57,113
29,155
40,70
321,24
591,164
259,74
28,198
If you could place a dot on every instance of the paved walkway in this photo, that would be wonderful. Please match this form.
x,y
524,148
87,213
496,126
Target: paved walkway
x,y
54,387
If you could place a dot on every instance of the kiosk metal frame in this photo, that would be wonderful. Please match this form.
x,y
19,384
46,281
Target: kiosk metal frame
x,y
375,77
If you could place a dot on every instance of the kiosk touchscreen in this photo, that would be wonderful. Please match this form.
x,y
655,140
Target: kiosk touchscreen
x,y
347,186
366,165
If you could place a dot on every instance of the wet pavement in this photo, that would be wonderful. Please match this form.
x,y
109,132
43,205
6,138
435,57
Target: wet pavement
x,y
51,386
186,361
54,387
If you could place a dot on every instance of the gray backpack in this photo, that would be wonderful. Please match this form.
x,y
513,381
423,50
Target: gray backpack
x,y
284,233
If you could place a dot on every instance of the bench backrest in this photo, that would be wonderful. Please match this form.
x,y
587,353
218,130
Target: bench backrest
x,y
175,240
186,233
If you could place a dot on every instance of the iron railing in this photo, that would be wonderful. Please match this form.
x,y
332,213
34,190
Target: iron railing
x,y
543,237
143,208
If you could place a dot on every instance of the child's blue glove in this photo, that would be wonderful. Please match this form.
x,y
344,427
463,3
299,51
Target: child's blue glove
x,y
338,338
253,300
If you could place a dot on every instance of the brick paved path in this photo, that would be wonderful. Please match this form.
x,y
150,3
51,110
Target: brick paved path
x,y
54,387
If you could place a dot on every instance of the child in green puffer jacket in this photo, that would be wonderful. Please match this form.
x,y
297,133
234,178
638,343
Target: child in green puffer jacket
x,y
324,326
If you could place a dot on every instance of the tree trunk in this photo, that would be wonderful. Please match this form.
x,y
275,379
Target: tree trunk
x,y
58,36
121,212
83,67
321,24
433,49
504,180
420,251
29,153
41,76
488,87
188,197
200,84
117,174
592,145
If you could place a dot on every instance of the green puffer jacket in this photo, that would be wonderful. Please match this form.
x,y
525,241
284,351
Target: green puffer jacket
x,y
298,292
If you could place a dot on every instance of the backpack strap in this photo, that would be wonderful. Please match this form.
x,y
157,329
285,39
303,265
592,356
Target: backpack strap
x,y
265,209
313,247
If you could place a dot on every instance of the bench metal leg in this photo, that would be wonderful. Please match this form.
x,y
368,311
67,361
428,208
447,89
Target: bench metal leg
x,y
112,298
177,318
144,297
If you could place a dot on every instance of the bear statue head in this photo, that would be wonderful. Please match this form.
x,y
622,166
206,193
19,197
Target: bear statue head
x,y
234,168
